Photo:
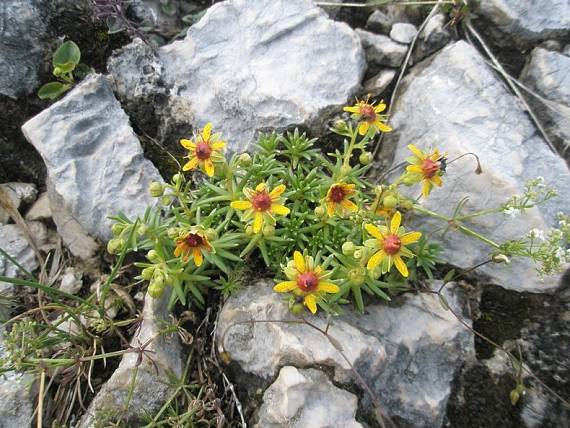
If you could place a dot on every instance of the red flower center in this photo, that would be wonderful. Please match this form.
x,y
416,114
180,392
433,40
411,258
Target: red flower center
x,y
392,244
367,113
337,194
307,281
429,168
203,150
194,240
261,201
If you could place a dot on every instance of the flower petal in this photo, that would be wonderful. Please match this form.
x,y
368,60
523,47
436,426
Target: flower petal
x,y
218,145
410,238
380,107
382,126
275,193
209,167
349,205
415,168
327,287
395,222
178,251
207,131
257,222
374,231
260,187
285,286
352,109
330,208
299,261
191,164
197,255
311,303
417,152
401,266
436,179
280,209
426,188
375,260
241,205
363,128
188,144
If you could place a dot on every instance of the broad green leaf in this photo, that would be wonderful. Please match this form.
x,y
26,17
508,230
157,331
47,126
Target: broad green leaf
x,y
53,90
66,53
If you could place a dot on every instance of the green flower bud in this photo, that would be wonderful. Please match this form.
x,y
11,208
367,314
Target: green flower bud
x,y
153,256
173,232
268,230
166,200
158,279
357,275
376,272
156,189
406,204
115,245
514,396
176,178
155,290
142,230
348,248
501,258
358,254
340,125
297,308
409,180
117,229
390,201
320,212
147,273
211,234
365,158
345,170
244,159
249,230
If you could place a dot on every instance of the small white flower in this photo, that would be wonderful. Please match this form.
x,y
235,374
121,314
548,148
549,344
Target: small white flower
x,y
537,234
511,211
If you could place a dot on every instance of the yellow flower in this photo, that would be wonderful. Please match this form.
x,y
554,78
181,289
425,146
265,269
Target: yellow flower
x,y
204,151
369,117
194,242
425,167
337,199
261,205
306,280
391,245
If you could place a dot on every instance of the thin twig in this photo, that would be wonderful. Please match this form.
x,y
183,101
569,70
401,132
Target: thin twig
x,y
513,87
403,69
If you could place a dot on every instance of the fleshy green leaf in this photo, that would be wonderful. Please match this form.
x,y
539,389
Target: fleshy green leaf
x,y
67,53
53,90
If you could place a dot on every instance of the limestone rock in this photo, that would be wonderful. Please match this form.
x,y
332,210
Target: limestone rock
x,y
381,50
424,346
378,83
383,18
527,21
18,193
40,210
434,37
277,63
548,74
465,108
303,398
71,281
152,383
23,29
95,162
402,32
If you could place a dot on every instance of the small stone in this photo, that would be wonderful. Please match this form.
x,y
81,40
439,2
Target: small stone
x,y
95,162
378,84
382,20
381,50
71,282
434,37
402,32
306,398
19,193
40,210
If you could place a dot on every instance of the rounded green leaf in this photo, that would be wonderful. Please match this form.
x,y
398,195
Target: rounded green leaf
x,y
53,90
67,53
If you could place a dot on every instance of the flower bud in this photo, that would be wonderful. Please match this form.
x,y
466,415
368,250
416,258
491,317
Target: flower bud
x,y
345,170
357,275
115,245
249,230
358,254
268,230
297,308
501,258
211,234
514,396
158,279
142,229
117,229
376,272
244,159
320,212
348,248
409,180
156,189
365,158
153,256
390,201
147,273
406,204
340,125
166,200
176,178
173,232
155,290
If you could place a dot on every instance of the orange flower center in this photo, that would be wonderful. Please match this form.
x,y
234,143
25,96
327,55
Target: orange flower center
x,y
194,240
337,194
203,150
367,113
429,168
307,281
392,244
261,201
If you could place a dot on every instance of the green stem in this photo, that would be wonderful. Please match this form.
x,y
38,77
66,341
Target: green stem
x,y
348,154
479,213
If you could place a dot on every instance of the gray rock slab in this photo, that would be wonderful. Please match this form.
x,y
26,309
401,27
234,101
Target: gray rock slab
x,y
19,193
378,83
306,398
96,165
465,108
403,32
381,50
40,210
